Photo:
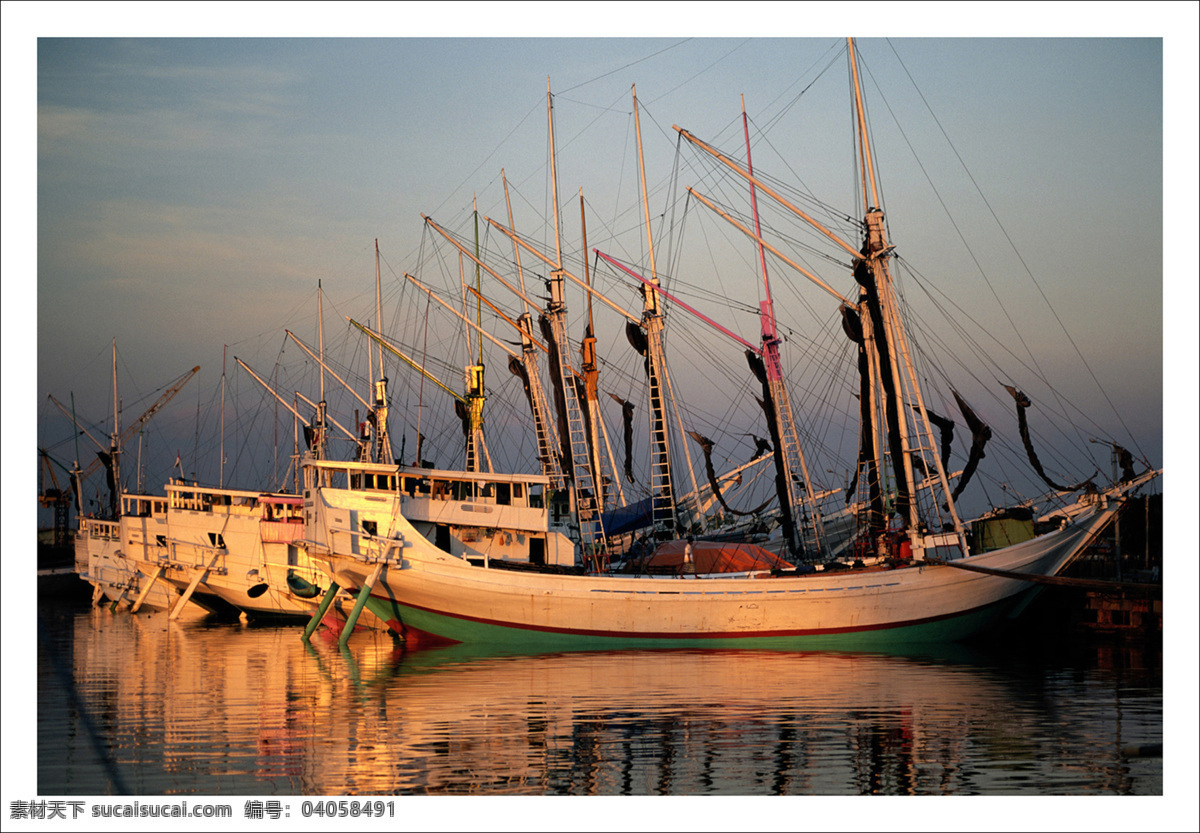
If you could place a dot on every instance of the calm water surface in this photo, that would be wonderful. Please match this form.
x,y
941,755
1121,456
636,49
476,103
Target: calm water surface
x,y
139,705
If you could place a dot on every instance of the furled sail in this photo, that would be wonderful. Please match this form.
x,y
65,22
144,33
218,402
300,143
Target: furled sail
x,y
627,427
852,326
707,446
516,368
1024,402
1126,460
980,434
560,402
891,397
946,432
786,520
761,446
464,414
107,460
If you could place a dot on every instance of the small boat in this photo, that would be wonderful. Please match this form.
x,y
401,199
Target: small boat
x,y
479,557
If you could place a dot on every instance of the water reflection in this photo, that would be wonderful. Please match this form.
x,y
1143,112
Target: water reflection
x,y
196,707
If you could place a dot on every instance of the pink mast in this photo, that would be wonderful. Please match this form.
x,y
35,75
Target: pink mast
x,y
770,337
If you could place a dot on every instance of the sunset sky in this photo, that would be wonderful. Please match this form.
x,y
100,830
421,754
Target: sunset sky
x,y
190,193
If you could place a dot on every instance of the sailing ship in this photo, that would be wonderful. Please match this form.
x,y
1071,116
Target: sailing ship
x,y
478,557
195,550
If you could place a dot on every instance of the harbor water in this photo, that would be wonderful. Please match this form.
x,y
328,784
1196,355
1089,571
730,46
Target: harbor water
x,y
140,705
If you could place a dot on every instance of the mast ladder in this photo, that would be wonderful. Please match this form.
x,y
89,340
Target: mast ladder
x,y
548,453
661,489
587,507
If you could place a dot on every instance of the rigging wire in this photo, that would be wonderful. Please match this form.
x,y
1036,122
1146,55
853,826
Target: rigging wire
x,y
1016,252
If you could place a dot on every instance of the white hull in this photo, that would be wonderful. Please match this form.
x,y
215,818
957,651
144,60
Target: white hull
x,y
214,549
422,589
213,541
115,579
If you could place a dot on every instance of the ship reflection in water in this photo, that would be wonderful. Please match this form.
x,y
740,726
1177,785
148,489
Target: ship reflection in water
x,y
227,709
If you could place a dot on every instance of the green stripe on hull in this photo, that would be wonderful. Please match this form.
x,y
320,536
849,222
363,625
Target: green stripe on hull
x,y
949,629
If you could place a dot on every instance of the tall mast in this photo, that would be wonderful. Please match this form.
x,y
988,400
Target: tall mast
x,y
76,479
663,510
886,320
319,439
479,300
383,445
116,429
378,303
575,449
548,442
807,535
224,352
476,451
553,178
591,373
295,455
516,248
115,443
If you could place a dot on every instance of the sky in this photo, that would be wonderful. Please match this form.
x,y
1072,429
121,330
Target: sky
x,y
190,193
186,193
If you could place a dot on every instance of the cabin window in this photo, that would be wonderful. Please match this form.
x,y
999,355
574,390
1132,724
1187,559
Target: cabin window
x,y
504,494
216,539
371,528
161,540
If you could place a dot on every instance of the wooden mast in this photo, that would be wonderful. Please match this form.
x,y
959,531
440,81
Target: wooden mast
x,y
319,439
383,450
663,510
115,443
788,452
590,374
576,451
876,256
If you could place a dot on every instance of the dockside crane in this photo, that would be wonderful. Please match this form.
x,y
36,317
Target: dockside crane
x,y
130,430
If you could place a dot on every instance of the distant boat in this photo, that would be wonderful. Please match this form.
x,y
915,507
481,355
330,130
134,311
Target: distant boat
x,y
477,557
